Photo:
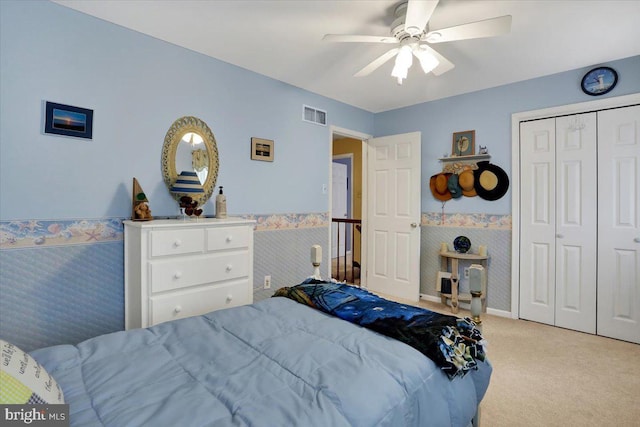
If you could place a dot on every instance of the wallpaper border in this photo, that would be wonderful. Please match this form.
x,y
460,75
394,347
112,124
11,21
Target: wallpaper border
x,y
31,233
266,222
19,234
472,220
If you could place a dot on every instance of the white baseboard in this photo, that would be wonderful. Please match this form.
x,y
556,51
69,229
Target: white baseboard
x,y
500,313
429,298
466,306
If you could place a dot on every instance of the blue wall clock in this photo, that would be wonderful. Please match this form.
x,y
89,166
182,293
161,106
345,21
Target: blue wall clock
x,y
599,81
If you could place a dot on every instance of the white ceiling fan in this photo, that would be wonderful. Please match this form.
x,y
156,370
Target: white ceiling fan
x,y
410,31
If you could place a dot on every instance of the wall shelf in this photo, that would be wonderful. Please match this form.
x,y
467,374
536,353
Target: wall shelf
x,y
473,158
449,262
455,163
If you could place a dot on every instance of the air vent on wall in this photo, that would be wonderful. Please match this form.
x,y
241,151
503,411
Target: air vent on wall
x,y
313,115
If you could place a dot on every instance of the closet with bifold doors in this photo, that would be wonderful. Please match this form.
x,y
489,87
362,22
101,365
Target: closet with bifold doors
x,y
580,222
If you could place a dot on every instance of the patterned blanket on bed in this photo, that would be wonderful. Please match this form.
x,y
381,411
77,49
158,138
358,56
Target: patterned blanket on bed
x,y
454,344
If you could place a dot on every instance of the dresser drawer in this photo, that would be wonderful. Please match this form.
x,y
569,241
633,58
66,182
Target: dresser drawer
x,y
183,272
177,305
175,242
228,238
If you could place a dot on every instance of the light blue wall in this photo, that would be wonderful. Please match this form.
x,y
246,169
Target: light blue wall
x,y
137,86
489,113
55,189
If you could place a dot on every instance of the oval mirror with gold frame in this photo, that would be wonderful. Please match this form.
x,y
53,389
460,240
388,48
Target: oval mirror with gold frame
x,y
189,145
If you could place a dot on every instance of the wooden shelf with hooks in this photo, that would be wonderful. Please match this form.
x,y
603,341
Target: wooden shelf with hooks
x,y
455,164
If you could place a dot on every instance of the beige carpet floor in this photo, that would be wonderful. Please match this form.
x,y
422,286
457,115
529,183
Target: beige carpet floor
x,y
549,376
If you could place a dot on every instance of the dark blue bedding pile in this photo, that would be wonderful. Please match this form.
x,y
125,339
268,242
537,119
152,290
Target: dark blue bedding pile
x,y
454,344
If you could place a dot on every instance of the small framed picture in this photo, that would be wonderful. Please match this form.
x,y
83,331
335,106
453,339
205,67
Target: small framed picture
x,y
443,282
68,120
464,143
262,149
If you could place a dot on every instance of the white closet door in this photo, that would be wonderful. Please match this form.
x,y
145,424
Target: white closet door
x,y
558,221
576,222
538,223
619,223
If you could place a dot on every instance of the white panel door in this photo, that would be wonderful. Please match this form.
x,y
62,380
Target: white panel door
x,y
619,223
338,207
576,222
559,218
538,221
393,203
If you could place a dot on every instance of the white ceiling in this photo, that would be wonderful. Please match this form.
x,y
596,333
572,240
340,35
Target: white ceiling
x,y
283,40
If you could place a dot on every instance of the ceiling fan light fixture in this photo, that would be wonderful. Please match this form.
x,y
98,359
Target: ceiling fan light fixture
x,y
399,71
427,61
403,62
405,57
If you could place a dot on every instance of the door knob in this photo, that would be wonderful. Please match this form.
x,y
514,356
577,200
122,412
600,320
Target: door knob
x,y
637,240
560,236
414,224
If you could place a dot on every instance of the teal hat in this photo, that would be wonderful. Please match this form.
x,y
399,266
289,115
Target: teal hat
x,y
454,187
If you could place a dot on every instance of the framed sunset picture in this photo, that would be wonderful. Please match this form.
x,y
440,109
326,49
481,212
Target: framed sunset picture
x,y
68,120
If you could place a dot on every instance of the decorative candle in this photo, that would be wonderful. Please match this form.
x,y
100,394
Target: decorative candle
x,y
443,247
482,250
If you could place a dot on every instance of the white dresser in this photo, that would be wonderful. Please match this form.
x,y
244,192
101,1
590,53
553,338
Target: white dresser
x,y
181,268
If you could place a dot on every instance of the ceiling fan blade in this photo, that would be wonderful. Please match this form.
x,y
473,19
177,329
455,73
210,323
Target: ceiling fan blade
x,y
418,14
444,64
345,38
473,30
377,63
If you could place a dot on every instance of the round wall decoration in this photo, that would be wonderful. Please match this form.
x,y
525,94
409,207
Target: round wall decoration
x,y
599,81
462,244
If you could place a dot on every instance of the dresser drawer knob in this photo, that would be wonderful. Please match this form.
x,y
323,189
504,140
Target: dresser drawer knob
x,y
178,309
229,267
178,274
229,239
177,243
229,298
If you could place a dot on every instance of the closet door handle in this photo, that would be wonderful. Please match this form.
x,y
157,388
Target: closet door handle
x,y
560,236
637,240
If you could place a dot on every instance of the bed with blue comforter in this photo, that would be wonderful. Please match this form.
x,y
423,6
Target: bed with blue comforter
x,y
274,363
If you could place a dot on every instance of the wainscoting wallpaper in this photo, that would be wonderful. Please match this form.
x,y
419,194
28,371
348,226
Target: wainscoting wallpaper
x,y
494,231
63,281
61,294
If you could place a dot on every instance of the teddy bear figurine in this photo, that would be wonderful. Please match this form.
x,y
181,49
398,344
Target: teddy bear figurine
x,y
143,212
